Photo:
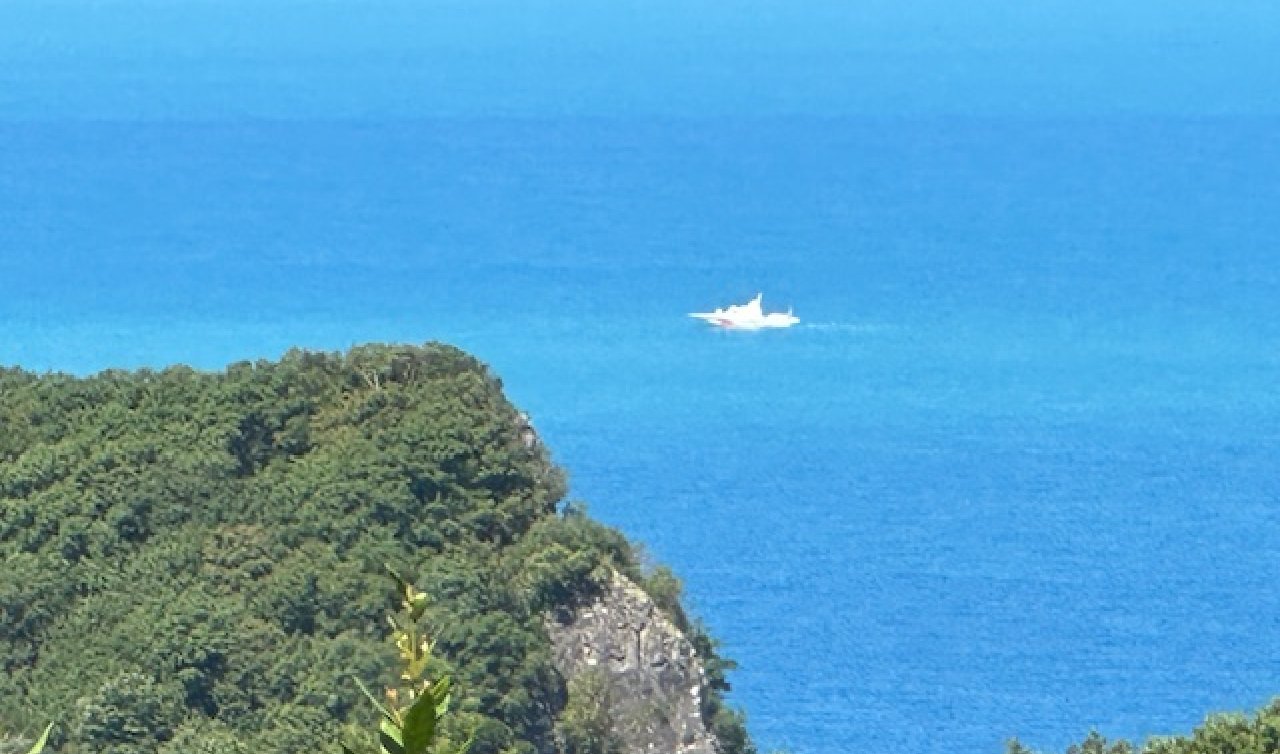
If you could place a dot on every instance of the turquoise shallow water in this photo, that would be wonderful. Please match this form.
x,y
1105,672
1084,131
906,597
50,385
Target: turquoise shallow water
x,y
1015,473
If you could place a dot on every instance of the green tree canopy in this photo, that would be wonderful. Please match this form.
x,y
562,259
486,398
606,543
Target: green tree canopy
x,y
194,561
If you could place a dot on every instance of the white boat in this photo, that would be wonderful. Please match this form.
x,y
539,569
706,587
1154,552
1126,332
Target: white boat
x,y
748,316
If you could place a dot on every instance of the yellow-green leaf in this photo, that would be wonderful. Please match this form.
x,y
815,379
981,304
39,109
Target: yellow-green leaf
x,y
381,708
40,742
389,736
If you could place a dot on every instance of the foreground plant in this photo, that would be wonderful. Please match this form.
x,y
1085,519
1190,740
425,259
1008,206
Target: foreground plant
x,y
415,706
40,742
11,744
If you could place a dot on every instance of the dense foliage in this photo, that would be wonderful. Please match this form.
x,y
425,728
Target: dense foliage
x,y
1220,734
194,562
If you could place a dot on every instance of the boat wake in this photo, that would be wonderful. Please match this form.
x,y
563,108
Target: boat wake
x,y
848,327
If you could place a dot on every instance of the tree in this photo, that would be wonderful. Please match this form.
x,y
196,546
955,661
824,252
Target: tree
x,y
130,712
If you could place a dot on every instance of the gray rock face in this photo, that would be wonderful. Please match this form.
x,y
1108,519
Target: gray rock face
x,y
655,678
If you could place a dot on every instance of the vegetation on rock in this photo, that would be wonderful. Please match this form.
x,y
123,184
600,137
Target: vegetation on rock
x,y
1220,734
195,561
587,726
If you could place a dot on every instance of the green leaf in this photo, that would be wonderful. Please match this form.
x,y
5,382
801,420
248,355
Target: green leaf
x,y
44,738
440,694
381,707
389,736
440,691
420,725
400,580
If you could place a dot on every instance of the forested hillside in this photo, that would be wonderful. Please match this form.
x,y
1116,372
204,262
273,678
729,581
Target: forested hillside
x,y
194,562
1220,734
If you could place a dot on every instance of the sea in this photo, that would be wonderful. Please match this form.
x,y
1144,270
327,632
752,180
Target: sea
x,y
1015,473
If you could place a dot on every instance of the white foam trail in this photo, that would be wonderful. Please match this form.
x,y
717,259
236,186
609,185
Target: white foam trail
x,y
860,327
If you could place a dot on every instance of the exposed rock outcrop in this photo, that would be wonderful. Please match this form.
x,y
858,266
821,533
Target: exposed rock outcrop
x,y
655,679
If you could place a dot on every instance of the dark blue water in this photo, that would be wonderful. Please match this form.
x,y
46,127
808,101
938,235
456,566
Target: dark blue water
x,y
1015,473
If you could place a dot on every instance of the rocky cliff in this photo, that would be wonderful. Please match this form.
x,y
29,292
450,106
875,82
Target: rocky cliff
x,y
648,677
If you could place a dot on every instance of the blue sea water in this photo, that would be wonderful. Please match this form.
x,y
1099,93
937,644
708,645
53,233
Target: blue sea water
x,y
1014,474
